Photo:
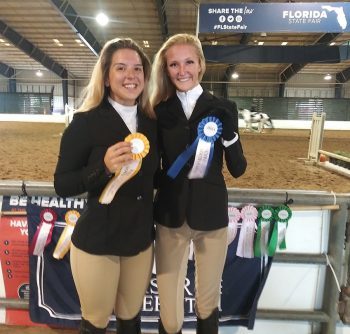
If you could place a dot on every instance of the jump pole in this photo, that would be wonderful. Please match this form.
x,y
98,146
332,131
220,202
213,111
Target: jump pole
x,y
316,137
315,148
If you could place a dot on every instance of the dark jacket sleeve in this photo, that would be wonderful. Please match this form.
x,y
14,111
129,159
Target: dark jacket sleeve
x,y
235,160
80,167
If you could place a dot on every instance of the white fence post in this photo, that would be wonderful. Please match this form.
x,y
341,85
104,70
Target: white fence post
x,y
316,136
68,113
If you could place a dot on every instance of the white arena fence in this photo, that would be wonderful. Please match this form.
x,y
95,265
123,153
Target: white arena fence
x,y
277,123
68,114
302,291
315,148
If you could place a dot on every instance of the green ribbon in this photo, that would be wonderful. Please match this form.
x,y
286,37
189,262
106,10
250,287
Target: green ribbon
x,y
265,215
282,215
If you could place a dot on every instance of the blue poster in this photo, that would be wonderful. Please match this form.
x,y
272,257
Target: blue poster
x,y
275,17
54,300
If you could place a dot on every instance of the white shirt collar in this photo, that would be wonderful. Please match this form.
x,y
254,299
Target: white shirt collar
x,y
188,99
127,113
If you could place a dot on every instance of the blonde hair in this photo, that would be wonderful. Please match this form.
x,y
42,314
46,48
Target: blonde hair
x,y
96,89
161,86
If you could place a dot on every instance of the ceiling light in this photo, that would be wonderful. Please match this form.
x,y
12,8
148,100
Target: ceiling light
x,y
214,42
327,77
38,73
146,44
284,43
7,44
102,19
260,43
80,42
2,41
263,34
57,42
235,75
332,43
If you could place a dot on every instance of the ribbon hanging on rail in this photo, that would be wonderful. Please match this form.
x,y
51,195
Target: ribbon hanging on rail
x,y
234,216
63,244
209,130
246,237
282,215
265,215
139,149
43,234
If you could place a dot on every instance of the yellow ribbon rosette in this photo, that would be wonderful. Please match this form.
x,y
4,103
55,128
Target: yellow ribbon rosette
x,y
63,244
139,145
139,148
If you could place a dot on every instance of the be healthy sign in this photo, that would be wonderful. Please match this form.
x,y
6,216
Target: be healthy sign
x,y
274,17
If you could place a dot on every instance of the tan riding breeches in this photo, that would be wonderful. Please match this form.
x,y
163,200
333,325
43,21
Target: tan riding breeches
x,y
171,252
108,283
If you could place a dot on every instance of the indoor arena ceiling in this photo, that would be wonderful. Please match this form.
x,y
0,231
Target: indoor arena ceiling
x,y
48,34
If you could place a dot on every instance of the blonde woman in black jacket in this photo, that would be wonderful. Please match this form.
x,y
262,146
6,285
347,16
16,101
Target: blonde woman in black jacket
x,y
112,244
191,202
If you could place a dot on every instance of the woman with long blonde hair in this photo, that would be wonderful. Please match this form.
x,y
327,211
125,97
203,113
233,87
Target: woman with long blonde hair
x,y
112,244
191,202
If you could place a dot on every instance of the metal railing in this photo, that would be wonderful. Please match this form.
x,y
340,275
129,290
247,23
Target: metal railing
x,y
338,204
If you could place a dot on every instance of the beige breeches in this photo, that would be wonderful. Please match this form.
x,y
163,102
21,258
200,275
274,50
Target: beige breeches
x,y
110,283
171,252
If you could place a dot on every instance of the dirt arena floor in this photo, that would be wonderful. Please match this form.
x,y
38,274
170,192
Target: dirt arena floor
x,y
29,151
38,330
35,330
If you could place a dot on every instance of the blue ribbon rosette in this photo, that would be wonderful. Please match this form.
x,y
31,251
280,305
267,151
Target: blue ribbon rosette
x,y
209,130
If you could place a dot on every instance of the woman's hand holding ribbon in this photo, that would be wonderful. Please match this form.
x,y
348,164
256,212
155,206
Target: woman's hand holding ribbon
x,y
125,160
209,129
117,156
228,122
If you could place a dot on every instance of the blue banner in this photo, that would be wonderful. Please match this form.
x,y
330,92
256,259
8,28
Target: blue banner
x,y
53,298
275,17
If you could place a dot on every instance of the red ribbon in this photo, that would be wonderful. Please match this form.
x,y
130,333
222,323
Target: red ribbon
x,y
43,234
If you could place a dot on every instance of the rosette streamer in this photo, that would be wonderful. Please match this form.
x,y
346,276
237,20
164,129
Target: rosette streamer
x,y
209,130
63,244
246,237
43,234
234,216
139,149
265,216
282,215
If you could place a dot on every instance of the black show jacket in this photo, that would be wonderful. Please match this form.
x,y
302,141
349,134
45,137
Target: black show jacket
x,y
202,203
125,226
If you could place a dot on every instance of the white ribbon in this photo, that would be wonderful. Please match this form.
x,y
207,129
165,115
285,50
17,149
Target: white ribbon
x,y
43,234
281,232
245,246
264,240
246,239
126,173
234,216
201,160
42,238
63,244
